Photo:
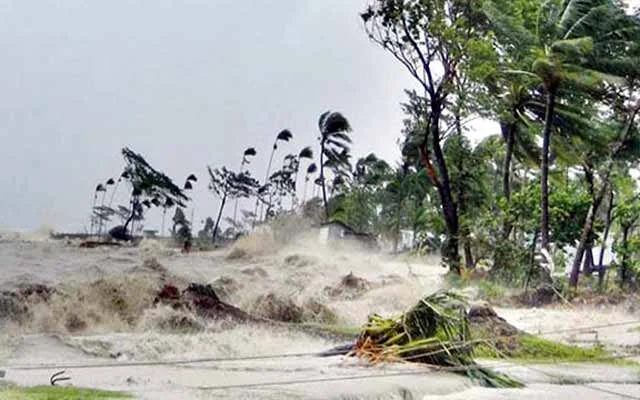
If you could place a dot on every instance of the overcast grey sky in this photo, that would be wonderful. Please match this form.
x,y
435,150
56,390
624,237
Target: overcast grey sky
x,y
186,83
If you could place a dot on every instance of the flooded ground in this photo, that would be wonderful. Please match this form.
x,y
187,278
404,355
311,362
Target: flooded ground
x,y
106,315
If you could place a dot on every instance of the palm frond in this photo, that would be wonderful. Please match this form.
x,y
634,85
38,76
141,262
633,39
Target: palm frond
x,y
312,169
285,135
306,153
333,122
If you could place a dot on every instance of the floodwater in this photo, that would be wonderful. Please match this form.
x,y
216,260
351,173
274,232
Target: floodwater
x,y
103,313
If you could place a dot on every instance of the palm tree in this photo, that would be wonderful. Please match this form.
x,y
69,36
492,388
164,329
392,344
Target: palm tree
x,y
109,182
249,152
124,175
99,188
188,185
577,45
311,169
305,153
334,146
166,206
284,136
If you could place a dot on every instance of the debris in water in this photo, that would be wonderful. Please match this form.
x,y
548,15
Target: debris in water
x,y
350,287
278,309
435,332
201,300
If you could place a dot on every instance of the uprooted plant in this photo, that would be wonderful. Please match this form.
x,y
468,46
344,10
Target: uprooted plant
x,y
434,332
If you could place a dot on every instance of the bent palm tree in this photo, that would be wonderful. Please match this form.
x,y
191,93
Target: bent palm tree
x,y
311,169
249,152
578,45
284,136
305,153
334,146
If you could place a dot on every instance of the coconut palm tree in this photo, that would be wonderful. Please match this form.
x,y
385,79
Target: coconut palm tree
x,y
124,175
249,152
283,136
578,46
109,182
305,153
311,169
334,147
99,188
166,206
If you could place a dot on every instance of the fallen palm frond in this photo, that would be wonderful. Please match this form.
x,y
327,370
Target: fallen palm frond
x,y
435,331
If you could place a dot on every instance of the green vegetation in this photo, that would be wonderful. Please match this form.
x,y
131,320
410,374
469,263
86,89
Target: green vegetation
x,y
533,348
57,393
435,331
558,78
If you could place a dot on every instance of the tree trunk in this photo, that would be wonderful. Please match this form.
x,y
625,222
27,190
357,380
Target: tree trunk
x,y
304,195
324,189
451,253
510,136
532,259
134,203
587,264
624,261
164,215
544,169
266,179
605,236
215,228
587,232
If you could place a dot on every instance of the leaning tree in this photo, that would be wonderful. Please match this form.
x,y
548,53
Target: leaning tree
x,y
334,148
226,185
149,187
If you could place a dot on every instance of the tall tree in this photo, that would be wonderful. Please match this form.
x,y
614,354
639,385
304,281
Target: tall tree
x,y
147,183
283,136
578,45
438,44
334,148
226,185
249,152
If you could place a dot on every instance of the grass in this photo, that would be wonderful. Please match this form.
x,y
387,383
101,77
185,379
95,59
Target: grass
x,y
491,291
57,393
536,349
348,332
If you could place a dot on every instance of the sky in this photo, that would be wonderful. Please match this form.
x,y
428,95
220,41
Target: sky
x,y
187,84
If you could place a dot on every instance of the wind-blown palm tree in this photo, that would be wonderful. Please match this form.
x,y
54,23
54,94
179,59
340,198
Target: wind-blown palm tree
x,y
124,175
305,153
311,169
334,147
249,152
109,182
283,136
99,188
578,45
